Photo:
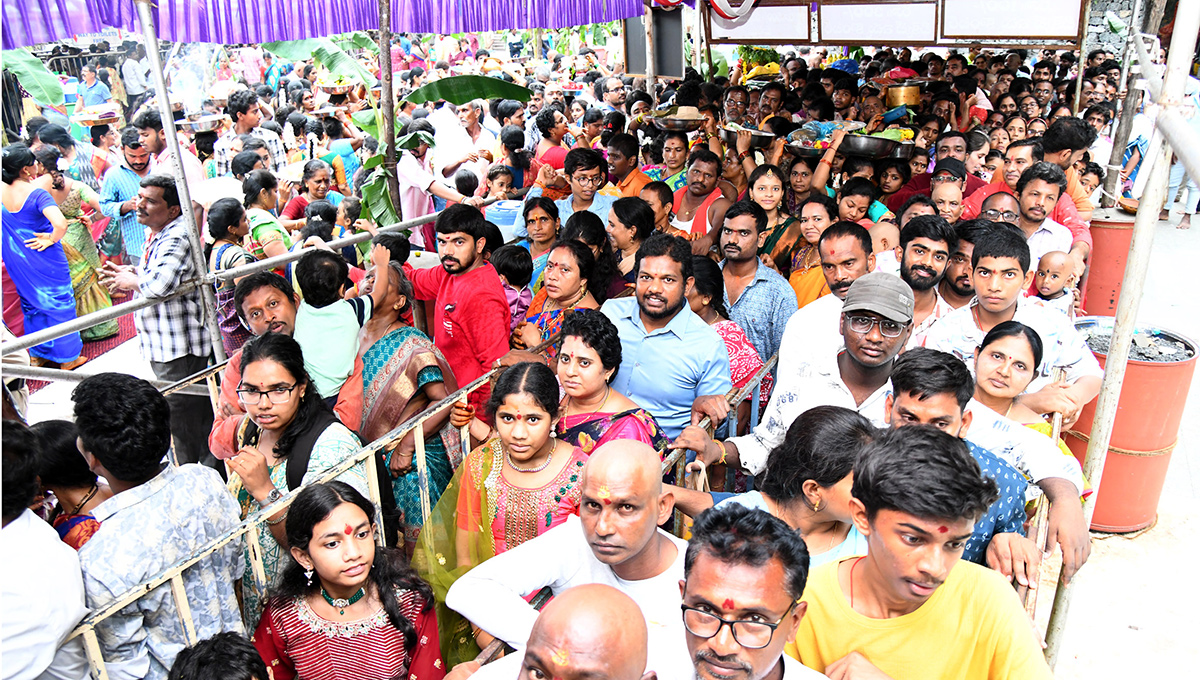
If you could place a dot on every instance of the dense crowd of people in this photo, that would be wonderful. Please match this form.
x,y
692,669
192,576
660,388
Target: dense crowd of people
x,y
617,281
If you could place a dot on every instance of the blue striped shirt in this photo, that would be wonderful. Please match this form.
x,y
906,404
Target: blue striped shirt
x,y
122,184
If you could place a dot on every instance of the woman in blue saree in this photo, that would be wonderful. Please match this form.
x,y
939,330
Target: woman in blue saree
x,y
34,259
403,372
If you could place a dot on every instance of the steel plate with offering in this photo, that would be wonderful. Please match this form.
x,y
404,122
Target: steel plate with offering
x,y
758,138
101,114
336,85
679,119
202,123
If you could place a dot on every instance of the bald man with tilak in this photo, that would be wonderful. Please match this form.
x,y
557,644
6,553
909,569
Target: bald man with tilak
x,y
615,541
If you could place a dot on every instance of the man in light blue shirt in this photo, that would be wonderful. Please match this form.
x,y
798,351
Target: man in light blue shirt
x,y
92,91
586,171
758,299
669,356
118,196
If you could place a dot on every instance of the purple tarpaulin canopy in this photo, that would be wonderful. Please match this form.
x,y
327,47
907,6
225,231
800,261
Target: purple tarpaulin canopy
x,y
31,22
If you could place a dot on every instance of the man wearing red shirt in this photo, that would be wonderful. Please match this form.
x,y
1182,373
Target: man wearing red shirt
x,y
952,144
470,322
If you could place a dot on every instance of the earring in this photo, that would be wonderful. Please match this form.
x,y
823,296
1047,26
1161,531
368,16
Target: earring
x,y
817,505
308,574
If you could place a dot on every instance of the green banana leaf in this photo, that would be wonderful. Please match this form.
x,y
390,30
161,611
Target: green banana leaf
x,y
297,50
324,52
361,40
459,90
413,140
341,64
32,74
377,200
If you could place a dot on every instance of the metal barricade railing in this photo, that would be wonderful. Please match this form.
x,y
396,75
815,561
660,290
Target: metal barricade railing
x,y
250,528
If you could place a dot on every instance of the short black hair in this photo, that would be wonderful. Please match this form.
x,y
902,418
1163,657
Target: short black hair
x,y
854,164
1068,132
970,231
148,119
321,209
821,444
61,463
240,102
735,534
1035,147
663,190
583,159
823,106
20,470
703,155
1045,171
922,471
493,238
167,184
844,228
514,264
253,282
397,244
1002,243
316,226
748,207
634,213
352,207
228,656
125,423
463,218
598,332
932,227
925,373
674,247
624,144
915,199
466,182
321,274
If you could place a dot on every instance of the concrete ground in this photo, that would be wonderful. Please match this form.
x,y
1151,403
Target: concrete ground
x,y
1133,612
1133,609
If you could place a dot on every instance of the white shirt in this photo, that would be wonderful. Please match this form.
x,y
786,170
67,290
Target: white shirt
x,y
940,308
491,595
1047,238
793,669
799,387
1029,451
134,75
41,602
1062,345
193,169
812,331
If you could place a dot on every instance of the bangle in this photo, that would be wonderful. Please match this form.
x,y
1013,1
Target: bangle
x,y
742,155
721,445
274,522
825,162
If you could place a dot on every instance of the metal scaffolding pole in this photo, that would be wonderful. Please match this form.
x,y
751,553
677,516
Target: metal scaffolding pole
x,y
1179,59
150,35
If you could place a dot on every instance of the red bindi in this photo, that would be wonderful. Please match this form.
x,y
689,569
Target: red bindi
x,y
942,530
728,605
349,529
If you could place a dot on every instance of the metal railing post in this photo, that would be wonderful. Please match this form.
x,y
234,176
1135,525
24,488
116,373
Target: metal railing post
x,y
1187,26
150,35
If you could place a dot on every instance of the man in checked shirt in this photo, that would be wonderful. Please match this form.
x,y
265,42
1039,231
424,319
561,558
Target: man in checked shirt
x,y
172,333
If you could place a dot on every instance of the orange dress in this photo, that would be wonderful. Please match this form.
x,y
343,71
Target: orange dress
x,y
808,282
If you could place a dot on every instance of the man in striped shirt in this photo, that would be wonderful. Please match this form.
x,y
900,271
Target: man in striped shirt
x,y
118,197
243,109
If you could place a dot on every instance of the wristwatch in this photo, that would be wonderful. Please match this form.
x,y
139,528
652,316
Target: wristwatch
x,y
273,497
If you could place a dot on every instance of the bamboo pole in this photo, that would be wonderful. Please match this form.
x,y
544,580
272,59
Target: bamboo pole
x,y
1087,17
1129,107
387,104
183,608
1187,26
150,35
651,66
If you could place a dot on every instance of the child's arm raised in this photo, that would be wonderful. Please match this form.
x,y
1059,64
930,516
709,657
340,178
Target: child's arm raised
x,y
380,256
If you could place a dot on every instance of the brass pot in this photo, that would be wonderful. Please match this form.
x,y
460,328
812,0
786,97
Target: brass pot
x,y
903,94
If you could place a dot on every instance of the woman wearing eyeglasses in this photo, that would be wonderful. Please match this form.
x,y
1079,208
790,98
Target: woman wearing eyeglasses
x,y
288,437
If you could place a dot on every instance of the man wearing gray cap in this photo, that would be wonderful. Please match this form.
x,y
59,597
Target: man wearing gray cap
x,y
875,323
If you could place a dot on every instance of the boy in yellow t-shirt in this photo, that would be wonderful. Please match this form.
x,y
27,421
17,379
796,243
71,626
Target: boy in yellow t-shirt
x,y
911,608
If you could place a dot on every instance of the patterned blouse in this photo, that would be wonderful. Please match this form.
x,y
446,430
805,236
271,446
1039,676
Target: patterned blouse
x,y
297,643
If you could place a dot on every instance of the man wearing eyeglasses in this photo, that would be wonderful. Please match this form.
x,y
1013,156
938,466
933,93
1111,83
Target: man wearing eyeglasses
x,y
737,101
611,95
585,172
744,574
950,146
876,322
1018,157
